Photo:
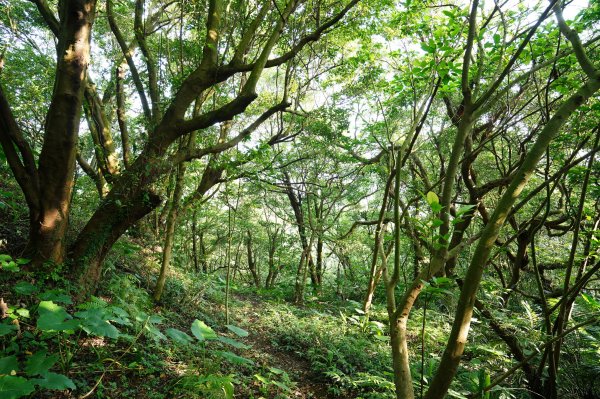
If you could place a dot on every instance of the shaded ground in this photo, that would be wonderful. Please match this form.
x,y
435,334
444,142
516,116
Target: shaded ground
x,y
308,383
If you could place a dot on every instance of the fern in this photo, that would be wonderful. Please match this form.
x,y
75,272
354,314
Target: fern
x,y
93,303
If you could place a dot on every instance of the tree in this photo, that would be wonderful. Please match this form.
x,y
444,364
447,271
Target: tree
x,y
47,186
481,98
224,60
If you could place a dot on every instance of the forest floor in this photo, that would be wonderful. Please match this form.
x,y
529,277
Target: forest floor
x,y
307,384
323,349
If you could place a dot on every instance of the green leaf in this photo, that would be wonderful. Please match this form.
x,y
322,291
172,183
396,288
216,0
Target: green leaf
x,y
95,322
56,296
484,381
427,48
39,363
54,318
432,198
55,381
142,317
497,38
23,312
15,387
25,288
281,385
233,358
6,329
436,207
464,209
233,343
155,333
220,383
240,332
202,331
261,378
590,300
277,371
120,316
10,266
439,281
227,388
178,336
9,365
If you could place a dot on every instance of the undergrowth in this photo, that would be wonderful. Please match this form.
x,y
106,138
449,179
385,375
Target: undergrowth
x,y
119,344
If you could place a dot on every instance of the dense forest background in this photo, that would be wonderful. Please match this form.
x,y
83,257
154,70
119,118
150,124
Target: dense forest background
x,y
300,199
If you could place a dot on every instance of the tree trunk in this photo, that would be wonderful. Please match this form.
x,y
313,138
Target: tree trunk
x,y
296,203
129,200
398,317
203,254
319,267
375,273
398,341
519,262
170,233
252,261
108,223
302,274
272,266
49,219
195,244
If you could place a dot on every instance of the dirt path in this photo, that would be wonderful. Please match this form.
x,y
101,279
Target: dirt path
x,y
308,384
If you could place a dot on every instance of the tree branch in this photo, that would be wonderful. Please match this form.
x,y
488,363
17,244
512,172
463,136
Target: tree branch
x,y
249,34
140,37
127,53
488,93
10,137
572,36
120,94
312,37
47,15
220,147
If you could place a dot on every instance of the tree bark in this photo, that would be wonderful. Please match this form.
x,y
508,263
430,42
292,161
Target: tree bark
x,y
319,270
195,243
296,203
170,233
56,166
375,273
272,267
252,260
107,224
203,254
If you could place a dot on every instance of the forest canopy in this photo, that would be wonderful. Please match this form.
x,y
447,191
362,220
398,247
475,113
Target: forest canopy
x,y
300,198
